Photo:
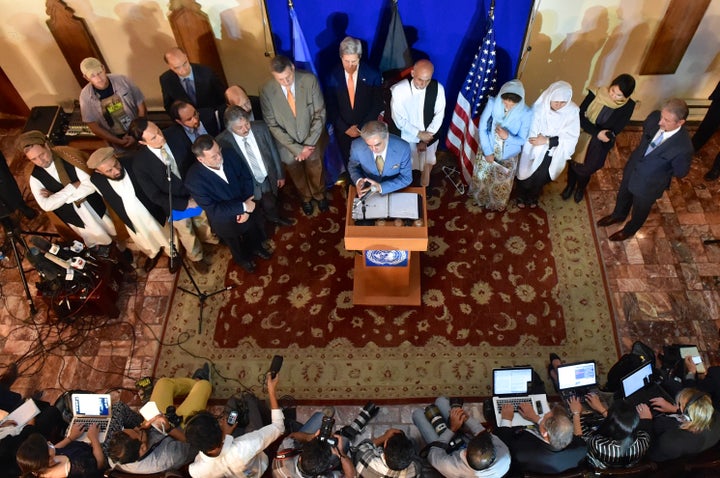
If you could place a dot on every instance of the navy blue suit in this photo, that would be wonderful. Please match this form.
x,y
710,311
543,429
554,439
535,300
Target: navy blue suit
x,y
223,203
397,171
646,177
367,106
209,88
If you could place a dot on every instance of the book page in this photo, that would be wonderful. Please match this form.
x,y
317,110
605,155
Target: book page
x,y
24,413
403,205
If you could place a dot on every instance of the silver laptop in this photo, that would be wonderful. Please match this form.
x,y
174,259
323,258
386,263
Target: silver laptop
x,y
89,409
511,385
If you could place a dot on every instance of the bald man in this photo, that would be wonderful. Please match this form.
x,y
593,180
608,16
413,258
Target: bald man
x,y
190,82
418,109
237,96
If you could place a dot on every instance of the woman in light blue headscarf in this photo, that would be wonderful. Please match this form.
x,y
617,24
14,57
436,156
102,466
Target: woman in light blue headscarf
x,y
504,127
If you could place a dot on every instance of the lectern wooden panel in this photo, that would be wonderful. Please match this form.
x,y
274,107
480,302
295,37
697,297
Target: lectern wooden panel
x,y
386,285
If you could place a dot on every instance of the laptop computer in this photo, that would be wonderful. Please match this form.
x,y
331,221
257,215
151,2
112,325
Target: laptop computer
x,y
577,380
91,408
511,385
638,387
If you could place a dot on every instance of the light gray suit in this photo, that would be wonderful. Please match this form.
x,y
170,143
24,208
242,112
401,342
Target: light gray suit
x,y
292,133
266,193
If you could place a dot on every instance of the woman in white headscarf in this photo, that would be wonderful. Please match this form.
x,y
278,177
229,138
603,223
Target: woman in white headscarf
x,y
503,129
553,136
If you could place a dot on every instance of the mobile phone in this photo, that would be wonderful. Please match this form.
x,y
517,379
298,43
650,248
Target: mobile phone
x,y
696,359
232,417
275,365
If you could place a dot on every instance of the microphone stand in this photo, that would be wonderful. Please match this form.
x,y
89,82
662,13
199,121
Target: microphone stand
x,y
12,233
175,256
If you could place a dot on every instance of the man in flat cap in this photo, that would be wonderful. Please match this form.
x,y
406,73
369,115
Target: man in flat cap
x,y
61,185
115,179
108,103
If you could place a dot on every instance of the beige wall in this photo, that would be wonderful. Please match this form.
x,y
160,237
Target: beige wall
x,y
585,42
590,42
132,36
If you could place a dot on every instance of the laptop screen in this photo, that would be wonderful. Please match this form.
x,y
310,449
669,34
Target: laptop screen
x,y
574,375
507,381
94,404
637,379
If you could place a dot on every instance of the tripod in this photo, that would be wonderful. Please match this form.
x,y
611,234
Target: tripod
x,y
13,234
175,256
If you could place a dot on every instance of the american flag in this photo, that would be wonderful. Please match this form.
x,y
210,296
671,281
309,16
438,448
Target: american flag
x,y
462,138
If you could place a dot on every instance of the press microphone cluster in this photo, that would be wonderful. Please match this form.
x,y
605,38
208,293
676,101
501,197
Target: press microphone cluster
x,y
64,257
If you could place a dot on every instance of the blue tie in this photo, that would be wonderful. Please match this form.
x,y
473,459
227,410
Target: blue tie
x,y
654,144
190,89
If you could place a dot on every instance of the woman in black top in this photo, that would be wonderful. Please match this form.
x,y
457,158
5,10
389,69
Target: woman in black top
x,y
603,115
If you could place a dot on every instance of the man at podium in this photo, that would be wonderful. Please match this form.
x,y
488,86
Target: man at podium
x,y
379,162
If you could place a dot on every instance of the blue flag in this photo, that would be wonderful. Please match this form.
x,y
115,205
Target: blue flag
x,y
301,52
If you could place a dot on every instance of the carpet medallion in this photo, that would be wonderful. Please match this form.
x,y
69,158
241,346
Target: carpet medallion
x,y
498,288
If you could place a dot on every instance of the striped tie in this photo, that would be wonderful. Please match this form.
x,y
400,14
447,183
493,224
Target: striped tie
x,y
380,163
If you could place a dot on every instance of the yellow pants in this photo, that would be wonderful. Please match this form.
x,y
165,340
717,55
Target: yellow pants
x,y
197,391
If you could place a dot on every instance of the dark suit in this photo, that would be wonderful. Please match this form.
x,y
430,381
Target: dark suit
x,y
210,118
223,202
209,88
397,170
102,183
710,122
10,196
265,193
646,177
256,108
293,132
530,453
367,106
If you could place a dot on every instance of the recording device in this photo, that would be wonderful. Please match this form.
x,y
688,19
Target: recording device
x,y
232,417
48,270
326,431
172,416
275,365
369,411
696,359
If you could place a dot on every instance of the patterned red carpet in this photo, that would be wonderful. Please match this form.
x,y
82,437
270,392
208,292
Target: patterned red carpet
x,y
486,277
498,289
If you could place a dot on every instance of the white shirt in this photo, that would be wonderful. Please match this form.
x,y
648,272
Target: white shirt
x,y
407,106
252,144
242,456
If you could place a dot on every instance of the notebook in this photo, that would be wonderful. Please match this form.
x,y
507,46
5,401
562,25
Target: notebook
x,y
638,387
577,380
91,408
693,351
511,385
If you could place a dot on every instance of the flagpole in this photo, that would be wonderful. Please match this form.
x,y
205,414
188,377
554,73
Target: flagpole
x,y
527,48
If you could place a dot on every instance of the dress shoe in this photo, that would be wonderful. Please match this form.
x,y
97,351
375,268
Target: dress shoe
x,y
579,194
608,221
621,235
281,221
307,208
713,174
175,264
262,253
151,262
323,205
249,266
567,192
202,266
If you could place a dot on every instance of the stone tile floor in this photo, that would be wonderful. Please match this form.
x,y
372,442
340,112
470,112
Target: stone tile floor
x,y
662,285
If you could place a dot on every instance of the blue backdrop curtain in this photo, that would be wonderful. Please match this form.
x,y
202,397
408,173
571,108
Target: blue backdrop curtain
x,y
447,32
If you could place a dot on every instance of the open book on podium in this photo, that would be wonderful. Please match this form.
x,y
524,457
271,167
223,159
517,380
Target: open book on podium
x,y
396,283
394,205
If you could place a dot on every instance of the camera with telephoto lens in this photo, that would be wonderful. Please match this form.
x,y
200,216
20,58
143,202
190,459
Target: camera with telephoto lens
x,y
326,431
356,427
432,413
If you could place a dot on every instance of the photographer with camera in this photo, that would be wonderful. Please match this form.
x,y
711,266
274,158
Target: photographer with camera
x,y
220,454
480,454
391,455
316,450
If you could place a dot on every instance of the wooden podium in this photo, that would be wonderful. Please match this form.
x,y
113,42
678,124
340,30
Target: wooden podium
x,y
386,285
